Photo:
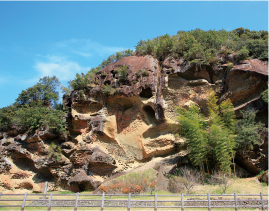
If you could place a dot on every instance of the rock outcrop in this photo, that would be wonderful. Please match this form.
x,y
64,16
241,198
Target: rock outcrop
x,y
121,122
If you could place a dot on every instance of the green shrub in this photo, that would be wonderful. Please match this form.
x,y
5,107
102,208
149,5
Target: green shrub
x,y
6,116
55,152
230,65
205,45
145,73
82,80
139,73
81,95
37,115
243,53
264,96
260,173
122,71
134,82
108,90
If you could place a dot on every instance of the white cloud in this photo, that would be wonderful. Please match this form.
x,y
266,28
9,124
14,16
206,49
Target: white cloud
x,y
83,54
86,47
62,68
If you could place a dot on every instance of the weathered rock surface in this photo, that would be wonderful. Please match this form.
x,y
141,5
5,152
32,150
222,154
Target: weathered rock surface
x,y
137,121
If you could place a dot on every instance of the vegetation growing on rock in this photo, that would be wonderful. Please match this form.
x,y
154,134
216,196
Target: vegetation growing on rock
x,y
121,113
204,46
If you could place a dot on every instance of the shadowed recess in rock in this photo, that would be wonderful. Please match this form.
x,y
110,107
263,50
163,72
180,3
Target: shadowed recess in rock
x,y
150,113
146,93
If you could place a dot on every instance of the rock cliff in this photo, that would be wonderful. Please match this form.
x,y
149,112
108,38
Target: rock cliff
x,y
122,121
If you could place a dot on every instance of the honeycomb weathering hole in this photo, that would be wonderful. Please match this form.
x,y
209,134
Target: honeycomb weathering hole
x,y
146,93
149,112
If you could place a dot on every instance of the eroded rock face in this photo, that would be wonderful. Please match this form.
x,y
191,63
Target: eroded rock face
x,y
116,132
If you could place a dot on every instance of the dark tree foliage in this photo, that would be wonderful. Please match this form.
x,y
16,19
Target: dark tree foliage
x,y
36,116
6,116
44,90
264,96
202,47
32,110
248,131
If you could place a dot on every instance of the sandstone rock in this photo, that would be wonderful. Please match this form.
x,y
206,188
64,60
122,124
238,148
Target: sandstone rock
x,y
5,165
83,181
25,185
189,103
20,175
101,163
117,132
264,177
197,82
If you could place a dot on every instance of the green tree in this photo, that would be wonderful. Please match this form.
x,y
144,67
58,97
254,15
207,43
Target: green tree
x,y
193,127
45,90
210,139
6,116
248,131
36,115
264,96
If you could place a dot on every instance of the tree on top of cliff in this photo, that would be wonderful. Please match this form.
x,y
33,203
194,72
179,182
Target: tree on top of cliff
x,y
205,45
44,90
32,109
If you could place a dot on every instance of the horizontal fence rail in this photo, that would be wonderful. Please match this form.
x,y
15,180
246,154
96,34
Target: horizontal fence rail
x,y
101,201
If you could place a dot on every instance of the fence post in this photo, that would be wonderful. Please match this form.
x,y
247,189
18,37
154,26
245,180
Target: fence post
x,y
24,200
49,206
155,204
262,202
235,202
129,202
209,206
182,202
76,202
103,202
45,189
0,194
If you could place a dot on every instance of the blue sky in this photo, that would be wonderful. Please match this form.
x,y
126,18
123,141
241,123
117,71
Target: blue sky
x,y
64,38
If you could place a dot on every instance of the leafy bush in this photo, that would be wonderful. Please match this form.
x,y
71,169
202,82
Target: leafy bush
x,y
122,71
139,73
38,116
81,81
55,152
145,73
108,90
248,131
264,96
243,53
6,116
205,45
81,95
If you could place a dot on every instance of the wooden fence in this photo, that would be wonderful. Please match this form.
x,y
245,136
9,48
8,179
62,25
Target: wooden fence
x,y
101,201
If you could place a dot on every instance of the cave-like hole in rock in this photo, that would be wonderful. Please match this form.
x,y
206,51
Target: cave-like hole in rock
x,y
149,112
114,73
146,93
107,83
